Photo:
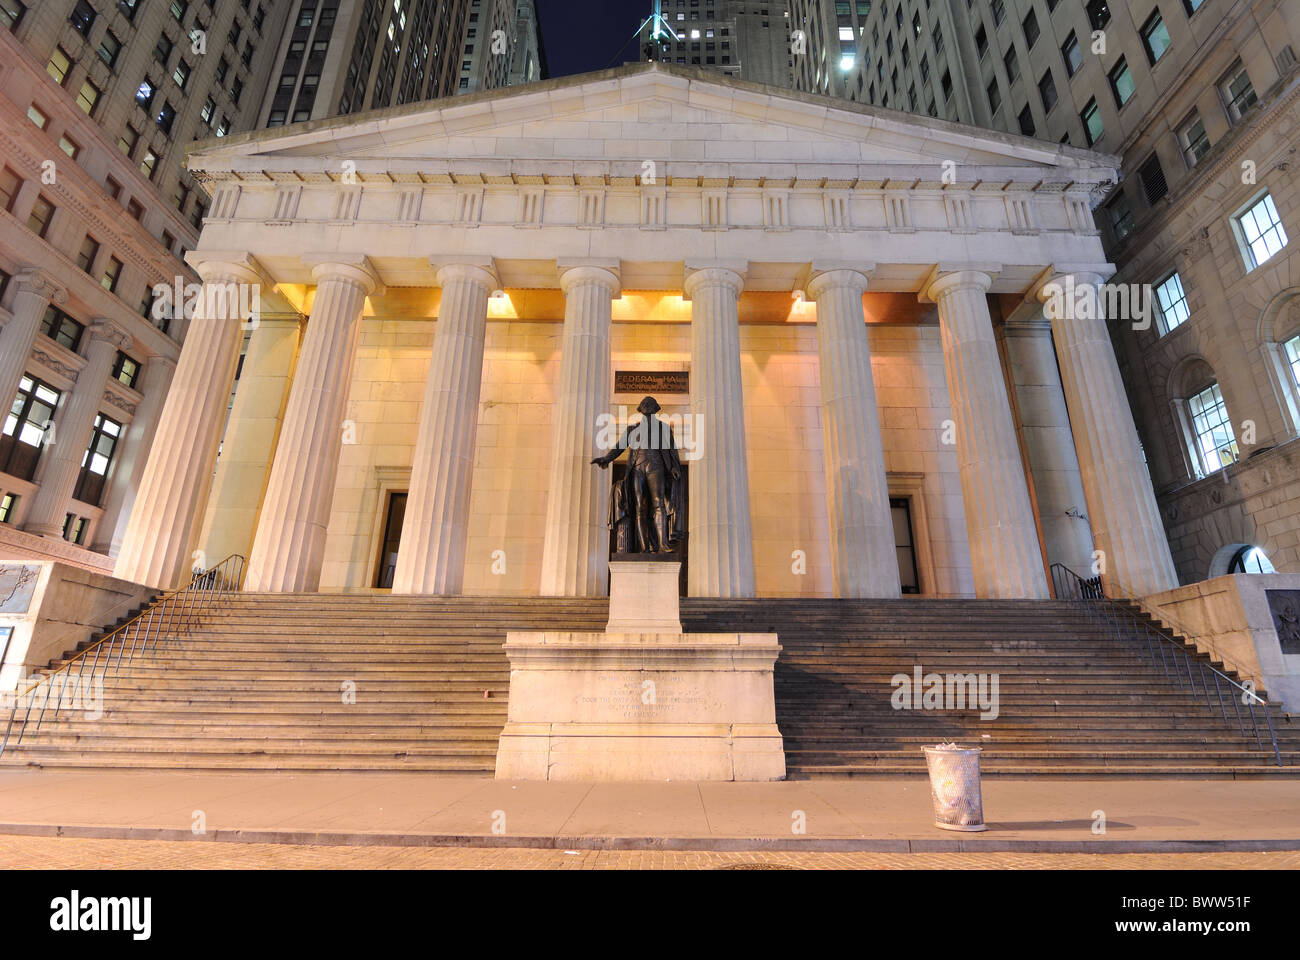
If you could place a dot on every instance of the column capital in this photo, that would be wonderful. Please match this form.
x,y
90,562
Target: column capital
x,y
42,284
217,266
944,278
480,270
820,280
158,362
110,331
729,274
604,273
355,267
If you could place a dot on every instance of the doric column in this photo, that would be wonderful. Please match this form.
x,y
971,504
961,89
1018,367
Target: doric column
x,y
162,532
1126,522
721,562
133,454
248,446
575,553
32,295
74,422
431,558
1005,556
1049,445
864,562
289,547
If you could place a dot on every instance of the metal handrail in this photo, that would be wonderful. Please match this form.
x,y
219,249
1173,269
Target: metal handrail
x,y
171,612
1164,648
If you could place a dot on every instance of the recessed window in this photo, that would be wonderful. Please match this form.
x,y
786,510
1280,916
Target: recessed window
x,y
1260,230
1292,351
69,146
1012,64
1193,140
1090,117
166,117
97,460
136,209
1121,82
61,328
163,51
37,116
1098,13
128,140
8,501
74,529
1071,54
148,164
109,48
144,94
1191,6
10,183
1237,92
128,8
1047,91
88,252
1120,215
995,95
1155,37
82,17
24,427
126,370
39,220
59,66
1171,303
88,97
1026,120
181,74
1215,441
11,13
1030,25
112,274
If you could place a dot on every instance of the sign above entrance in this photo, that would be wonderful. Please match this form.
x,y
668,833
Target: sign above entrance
x,y
648,382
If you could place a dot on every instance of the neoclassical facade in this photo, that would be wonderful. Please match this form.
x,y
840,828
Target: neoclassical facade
x,y
457,295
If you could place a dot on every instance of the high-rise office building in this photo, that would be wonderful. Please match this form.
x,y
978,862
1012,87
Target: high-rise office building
x,y
746,40
98,101
346,56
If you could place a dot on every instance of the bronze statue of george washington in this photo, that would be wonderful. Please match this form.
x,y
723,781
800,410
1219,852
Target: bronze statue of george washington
x,y
645,507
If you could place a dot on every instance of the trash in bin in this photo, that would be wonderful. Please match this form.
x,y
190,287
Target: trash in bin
x,y
955,787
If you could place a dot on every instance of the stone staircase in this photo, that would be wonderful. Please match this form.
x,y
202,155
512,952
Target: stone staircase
x,y
260,684
264,682
1074,701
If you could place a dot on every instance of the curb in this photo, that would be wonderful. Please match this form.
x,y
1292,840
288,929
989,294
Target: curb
x,y
986,844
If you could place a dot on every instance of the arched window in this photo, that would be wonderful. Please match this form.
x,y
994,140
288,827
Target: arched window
x,y
1212,428
1250,559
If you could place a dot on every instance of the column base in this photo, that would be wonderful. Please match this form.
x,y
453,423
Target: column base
x,y
641,706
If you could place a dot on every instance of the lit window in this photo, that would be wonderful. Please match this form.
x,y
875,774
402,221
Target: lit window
x,y
1215,441
58,66
88,97
7,504
37,117
1261,231
24,427
69,146
97,459
148,163
1171,301
1250,560
112,273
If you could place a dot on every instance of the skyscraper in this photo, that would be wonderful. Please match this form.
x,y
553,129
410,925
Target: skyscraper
x,y
747,40
99,100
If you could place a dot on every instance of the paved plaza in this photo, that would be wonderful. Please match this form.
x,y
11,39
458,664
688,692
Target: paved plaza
x,y
867,816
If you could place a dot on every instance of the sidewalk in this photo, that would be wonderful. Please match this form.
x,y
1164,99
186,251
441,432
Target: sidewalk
x,y
887,816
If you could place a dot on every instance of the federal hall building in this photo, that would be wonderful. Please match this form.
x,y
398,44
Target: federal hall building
x,y
840,309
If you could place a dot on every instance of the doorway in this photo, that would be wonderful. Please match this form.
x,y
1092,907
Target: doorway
x,y
392,539
900,508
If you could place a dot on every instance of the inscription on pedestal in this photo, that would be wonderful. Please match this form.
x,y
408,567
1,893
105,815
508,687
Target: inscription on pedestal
x,y
644,700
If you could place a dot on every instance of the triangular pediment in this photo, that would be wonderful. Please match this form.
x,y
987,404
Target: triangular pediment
x,y
646,120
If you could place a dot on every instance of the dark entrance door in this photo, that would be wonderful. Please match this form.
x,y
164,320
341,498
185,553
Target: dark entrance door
x,y
392,540
900,509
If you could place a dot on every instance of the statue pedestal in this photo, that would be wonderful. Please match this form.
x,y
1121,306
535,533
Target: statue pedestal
x,y
641,704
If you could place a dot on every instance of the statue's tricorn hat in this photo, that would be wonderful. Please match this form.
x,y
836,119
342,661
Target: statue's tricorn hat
x,y
648,407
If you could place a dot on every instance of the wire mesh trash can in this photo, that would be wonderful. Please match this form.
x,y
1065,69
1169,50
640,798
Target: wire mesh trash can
x,y
955,787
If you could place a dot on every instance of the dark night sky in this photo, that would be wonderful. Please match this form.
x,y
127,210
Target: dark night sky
x,y
584,35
